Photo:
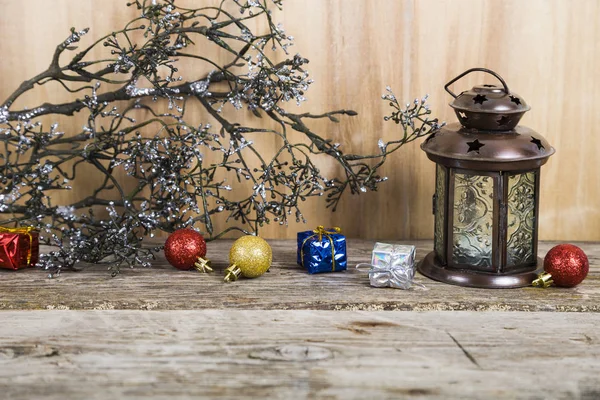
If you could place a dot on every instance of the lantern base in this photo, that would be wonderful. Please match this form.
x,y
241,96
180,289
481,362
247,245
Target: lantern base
x,y
431,268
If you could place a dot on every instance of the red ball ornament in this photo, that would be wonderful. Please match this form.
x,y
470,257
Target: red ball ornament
x,y
183,248
565,265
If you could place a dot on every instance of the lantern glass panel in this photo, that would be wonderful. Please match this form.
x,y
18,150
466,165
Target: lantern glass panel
x,y
473,220
521,219
440,210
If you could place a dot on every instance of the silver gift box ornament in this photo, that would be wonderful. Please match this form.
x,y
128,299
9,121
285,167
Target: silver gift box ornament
x,y
392,265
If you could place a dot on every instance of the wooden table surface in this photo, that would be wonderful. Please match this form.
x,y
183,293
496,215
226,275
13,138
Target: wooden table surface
x,y
164,333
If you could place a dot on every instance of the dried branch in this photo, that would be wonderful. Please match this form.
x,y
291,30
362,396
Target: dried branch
x,y
176,186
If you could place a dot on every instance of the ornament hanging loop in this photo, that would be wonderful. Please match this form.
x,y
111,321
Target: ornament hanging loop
x,y
232,274
203,265
543,280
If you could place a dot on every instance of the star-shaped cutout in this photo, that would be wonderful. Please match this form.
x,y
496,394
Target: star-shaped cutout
x,y
475,145
479,99
515,100
489,85
538,143
504,120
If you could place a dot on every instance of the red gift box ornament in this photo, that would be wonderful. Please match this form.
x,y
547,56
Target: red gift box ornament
x,y
19,247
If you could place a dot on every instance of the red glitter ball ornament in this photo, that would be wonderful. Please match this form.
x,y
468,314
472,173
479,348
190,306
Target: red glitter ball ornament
x,y
183,247
567,264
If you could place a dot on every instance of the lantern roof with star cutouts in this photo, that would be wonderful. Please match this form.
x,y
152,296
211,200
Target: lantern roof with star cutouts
x,y
490,107
487,137
457,146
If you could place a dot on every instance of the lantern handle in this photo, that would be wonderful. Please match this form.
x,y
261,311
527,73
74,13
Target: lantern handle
x,y
489,71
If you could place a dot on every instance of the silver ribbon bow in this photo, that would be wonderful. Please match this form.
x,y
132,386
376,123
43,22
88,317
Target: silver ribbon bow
x,y
392,265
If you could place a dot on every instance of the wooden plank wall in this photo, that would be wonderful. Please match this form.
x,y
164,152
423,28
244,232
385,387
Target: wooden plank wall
x,y
547,50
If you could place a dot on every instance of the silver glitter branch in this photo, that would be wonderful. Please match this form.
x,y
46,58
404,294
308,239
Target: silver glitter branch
x,y
176,184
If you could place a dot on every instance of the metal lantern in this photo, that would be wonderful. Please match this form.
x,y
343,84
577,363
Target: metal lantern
x,y
486,191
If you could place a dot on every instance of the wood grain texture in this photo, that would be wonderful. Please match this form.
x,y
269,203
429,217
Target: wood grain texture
x,y
298,355
287,286
547,51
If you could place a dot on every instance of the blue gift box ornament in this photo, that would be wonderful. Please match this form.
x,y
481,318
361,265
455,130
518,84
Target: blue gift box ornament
x,y
322,250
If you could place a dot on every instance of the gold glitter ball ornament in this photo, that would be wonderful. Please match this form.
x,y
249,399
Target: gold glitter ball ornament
x,y
250,257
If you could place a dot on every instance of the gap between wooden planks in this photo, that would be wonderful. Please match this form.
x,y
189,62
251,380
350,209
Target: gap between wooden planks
x,y
298,354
